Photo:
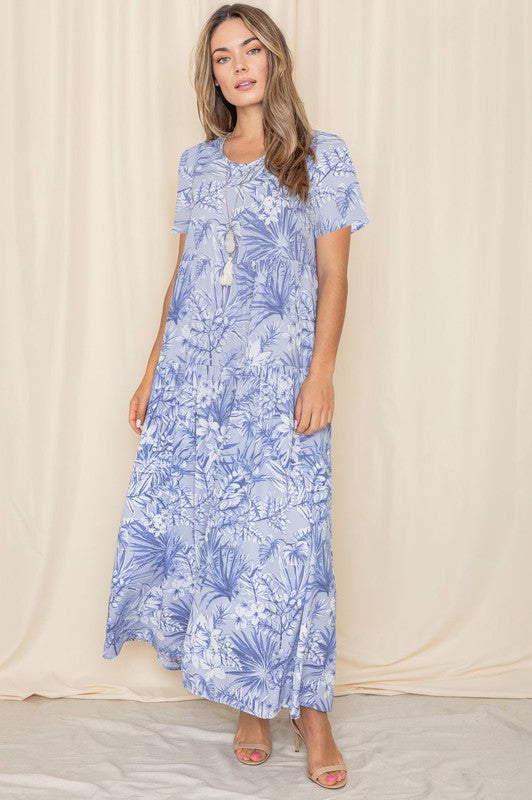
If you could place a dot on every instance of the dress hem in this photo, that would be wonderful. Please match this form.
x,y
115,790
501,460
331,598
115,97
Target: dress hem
x,y
112,651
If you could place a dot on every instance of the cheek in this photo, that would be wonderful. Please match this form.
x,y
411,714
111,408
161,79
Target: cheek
x,y
264,67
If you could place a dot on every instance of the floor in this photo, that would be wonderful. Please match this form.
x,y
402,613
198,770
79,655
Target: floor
x,y
401,747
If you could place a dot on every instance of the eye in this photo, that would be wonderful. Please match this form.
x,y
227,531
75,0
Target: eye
x,y
251,50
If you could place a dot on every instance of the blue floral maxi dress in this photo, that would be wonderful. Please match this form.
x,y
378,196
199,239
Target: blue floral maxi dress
x,y
224,559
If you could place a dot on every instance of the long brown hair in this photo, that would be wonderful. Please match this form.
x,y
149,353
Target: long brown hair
x,y
287,130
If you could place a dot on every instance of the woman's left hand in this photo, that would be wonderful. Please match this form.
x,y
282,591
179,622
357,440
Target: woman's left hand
x,y
315,403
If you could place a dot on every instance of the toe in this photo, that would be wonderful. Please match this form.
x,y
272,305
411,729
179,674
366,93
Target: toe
x,y
330,778
247,754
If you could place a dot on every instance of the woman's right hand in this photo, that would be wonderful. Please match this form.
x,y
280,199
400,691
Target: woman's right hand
x,y
139,403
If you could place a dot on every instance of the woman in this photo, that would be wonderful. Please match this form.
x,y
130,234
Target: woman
x,y
224,560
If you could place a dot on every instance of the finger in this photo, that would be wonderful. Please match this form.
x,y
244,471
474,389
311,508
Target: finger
x,y
314,422
136,425
325,419
141,415
136,417
297,412
133,406
304,421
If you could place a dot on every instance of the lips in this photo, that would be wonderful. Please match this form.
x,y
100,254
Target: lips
x,y
245,81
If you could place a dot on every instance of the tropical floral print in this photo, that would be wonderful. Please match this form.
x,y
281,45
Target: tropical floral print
x,y
224,560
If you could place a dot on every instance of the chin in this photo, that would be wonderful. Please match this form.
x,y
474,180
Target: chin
x,y
255,93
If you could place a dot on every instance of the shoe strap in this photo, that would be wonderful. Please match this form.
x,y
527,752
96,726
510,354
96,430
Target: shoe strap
x,y
328,768
252,746
297,728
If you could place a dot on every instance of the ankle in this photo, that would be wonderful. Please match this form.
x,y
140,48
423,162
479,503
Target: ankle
x,y
314,719
247,716
310,713
247,722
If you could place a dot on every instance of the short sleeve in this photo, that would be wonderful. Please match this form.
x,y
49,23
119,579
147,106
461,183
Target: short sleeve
x,y
184,200
336,196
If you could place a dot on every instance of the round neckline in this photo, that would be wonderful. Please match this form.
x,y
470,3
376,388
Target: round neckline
x,y
221,141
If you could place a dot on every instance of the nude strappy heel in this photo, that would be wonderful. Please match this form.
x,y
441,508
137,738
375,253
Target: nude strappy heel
x,y
253,746
320,770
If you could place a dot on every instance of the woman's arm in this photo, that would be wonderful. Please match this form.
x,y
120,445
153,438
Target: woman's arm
x,y
139,402
315,403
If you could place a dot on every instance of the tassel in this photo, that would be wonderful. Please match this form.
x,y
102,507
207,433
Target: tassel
x,y
227,275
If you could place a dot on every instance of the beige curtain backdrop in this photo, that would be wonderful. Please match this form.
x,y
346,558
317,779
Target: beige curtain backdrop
x,y
432,444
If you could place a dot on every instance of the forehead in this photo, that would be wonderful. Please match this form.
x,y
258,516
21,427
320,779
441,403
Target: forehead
x,y
232,33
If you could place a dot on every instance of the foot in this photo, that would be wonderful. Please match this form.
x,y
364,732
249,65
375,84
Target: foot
x,y
321,747
252,729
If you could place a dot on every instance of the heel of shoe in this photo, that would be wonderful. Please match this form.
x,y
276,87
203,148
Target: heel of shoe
x,y
299,736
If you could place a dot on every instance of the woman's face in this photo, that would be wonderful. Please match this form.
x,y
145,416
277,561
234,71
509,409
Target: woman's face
x,y
238,55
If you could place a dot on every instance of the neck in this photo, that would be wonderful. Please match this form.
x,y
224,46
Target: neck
x,y
248,126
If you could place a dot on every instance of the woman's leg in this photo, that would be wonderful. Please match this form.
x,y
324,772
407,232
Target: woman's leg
x,y
321,747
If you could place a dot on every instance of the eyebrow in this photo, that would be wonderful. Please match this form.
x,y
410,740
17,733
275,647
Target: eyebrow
x,y
242,44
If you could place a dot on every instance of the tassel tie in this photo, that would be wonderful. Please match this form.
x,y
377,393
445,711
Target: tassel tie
x,y
226,278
